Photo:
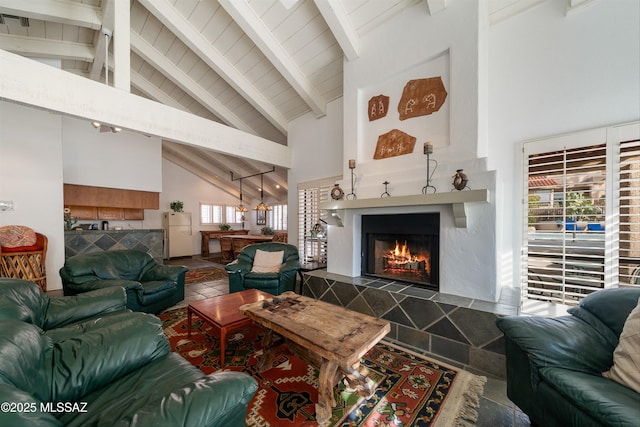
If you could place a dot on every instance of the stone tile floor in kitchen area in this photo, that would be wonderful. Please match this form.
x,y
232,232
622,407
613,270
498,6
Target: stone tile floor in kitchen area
x,y
496,410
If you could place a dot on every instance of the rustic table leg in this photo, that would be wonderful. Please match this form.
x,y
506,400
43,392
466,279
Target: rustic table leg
x,y
364,386
268,351
326,398
189,322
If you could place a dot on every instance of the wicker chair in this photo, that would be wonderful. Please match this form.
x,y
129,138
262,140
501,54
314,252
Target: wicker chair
x,y
26,262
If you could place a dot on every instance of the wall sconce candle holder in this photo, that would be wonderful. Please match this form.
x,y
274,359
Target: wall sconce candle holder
x,y
428,150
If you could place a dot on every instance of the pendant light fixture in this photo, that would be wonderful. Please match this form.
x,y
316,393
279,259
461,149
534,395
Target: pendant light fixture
x,y
262,206
241,208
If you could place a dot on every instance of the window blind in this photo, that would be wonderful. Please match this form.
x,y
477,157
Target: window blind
x,y
629,193
310,246
565,256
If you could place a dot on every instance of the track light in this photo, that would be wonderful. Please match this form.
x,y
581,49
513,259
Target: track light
x,y
105,128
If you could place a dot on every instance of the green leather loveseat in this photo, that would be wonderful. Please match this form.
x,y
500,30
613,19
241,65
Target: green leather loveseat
x,y
554,365
151,287
242,276
112,368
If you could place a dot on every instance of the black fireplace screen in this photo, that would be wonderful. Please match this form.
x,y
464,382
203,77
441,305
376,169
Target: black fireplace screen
x,y
402,247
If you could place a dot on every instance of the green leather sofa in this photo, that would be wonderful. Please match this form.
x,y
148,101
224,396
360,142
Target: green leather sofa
x,y
554,365
241,277
150,287
114,368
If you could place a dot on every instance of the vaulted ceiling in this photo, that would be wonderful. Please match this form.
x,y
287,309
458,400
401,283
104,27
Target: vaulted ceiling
x,y
254,65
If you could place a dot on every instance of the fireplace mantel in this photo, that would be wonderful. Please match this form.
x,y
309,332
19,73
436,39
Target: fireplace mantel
x,y
457,199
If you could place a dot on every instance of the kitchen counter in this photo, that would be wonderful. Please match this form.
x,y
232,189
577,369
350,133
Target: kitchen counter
x,y
150,241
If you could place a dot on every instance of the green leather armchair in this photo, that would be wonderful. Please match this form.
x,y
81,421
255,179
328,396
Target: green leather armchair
x,y
120,374
150,287
554,365
241,276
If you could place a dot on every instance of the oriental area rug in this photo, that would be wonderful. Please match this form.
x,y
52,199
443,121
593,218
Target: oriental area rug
x,y
410,389
206,274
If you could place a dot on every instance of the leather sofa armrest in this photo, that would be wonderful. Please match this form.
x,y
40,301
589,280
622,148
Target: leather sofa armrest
x,y
97,357
565,342
65,310
219,399
238,266
174,273
291,265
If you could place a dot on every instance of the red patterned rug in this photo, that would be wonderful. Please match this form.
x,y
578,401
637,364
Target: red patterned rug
x,y
206,274
411,390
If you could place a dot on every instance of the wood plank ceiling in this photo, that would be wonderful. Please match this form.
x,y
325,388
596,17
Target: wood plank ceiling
x,y
254,65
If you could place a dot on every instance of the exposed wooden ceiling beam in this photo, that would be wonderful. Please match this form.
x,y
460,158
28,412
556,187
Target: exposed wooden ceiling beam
x,y
121,44
341,26
170,70
62,11
31,83
181,28
46,48
259,33
230,163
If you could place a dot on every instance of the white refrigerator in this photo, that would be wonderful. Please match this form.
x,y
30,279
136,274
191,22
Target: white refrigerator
x,y
177,234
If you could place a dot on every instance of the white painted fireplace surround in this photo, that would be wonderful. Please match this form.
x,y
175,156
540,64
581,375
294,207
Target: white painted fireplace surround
x,y
467,254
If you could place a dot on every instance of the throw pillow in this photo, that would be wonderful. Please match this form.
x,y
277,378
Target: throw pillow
x,y
626,357
267,262
13,236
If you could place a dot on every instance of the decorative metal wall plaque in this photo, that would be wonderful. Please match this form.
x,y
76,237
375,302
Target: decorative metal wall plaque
x,y
421,97
378,107
394,143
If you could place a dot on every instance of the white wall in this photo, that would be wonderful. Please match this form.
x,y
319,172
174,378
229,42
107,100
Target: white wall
x,y
553,73
316,145
31,177
125,159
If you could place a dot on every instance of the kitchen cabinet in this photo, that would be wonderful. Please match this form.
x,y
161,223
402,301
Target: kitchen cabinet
x,y
84,212
114,214
84,195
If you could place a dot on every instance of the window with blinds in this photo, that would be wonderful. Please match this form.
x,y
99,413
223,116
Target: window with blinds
x,y
277,218
312,240
567,222
629,238
582,214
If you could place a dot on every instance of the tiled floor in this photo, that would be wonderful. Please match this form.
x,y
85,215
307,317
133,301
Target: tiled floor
x,y
496,410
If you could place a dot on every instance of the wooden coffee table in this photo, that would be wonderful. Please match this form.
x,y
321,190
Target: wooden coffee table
x,y
223,313
330,337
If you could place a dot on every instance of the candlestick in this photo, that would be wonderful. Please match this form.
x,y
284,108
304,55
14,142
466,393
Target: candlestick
x,y
428,150
352,166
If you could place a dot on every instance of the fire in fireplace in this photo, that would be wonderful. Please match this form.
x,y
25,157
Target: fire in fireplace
x,y
402,247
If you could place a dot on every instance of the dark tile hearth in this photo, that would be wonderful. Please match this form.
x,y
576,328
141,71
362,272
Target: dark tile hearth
x,y
455,328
